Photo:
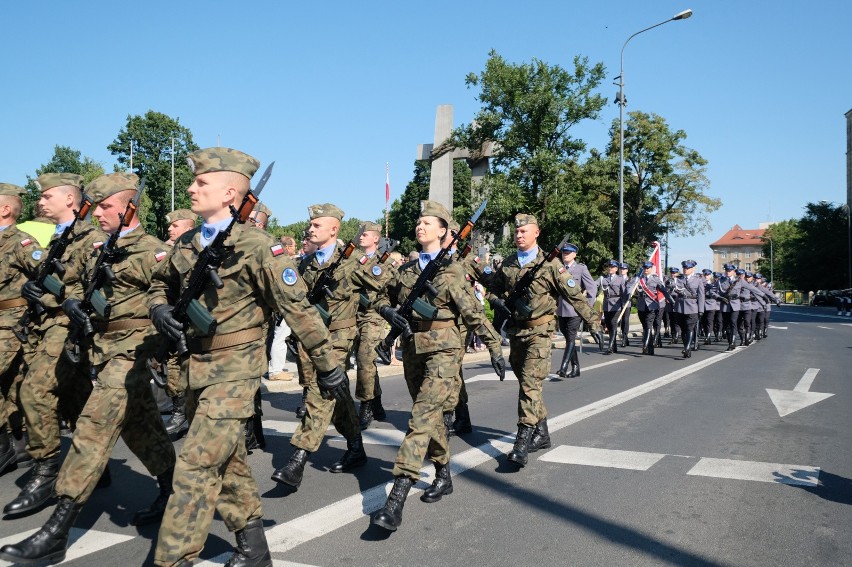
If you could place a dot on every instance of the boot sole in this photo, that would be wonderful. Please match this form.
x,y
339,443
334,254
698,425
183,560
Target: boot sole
x,y
384,525
433,499
518,461
282,480
349,467
55,557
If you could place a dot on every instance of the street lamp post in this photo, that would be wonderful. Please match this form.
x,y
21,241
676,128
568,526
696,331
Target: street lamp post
x,y
621,103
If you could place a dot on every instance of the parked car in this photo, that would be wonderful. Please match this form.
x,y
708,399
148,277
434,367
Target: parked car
x,y
825,297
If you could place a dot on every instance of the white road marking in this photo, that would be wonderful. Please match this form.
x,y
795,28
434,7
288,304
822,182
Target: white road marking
x,y
797,475
611,458
372,436
789,401
821,327
796,312
807,380
81,542
774,327
288,535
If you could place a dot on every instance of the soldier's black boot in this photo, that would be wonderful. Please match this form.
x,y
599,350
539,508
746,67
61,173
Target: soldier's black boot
x,y
354,457
658,341
365,414
154,512
518,454
378,411
252,549
390,516
291,473
19,439
251,438
177,424
540,438
625,342
302,410
49,543
462,424
687,344
448,424
8,457
575,367
38,490
442,485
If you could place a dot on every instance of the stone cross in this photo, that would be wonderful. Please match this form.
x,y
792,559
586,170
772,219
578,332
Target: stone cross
x,y
441,155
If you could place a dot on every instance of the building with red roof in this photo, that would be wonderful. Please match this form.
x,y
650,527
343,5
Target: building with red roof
x,y
740,246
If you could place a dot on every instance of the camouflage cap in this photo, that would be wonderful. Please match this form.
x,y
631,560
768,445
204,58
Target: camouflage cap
x,y
180,214
261,208
375,227
221,159
325,210
435,209
12,190
522,219
110,184
454,226
47,181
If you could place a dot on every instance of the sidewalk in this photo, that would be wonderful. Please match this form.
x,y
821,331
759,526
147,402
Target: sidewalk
x,y
385,370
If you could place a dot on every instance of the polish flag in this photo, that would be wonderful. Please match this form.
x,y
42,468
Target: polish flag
x,y
655,259
387,183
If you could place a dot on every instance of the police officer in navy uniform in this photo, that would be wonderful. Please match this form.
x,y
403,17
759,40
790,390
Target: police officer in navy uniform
x,y
623,269
567,317
650,293
711,308
688,293
728,294
614,288
671,318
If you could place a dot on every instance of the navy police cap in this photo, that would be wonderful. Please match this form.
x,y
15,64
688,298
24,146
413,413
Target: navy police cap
x,y
706,272
688,264
612,264
646,265
570,248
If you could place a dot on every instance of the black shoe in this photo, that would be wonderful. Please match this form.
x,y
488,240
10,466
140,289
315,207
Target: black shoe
x,y
8,457
448,424
50,542
378,411
177,425
365,414
154,512
730,347
252,549
302,410
390,515
38,490
518,454
575,371
442,485
291,473
354,457
252,443
462,424
540,438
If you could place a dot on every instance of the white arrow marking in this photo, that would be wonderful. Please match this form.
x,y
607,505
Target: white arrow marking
x,y
789,401
821,327
774,327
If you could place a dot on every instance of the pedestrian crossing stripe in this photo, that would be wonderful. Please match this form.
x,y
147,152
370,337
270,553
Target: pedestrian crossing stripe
x,y
777,473
373,436
81,542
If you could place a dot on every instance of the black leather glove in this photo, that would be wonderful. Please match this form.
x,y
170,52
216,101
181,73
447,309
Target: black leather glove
x,y
334,384
393,317
498,363
498,304
31,291
165,323
73,308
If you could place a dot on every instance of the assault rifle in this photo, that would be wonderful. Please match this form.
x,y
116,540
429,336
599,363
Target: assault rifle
x,y
415,301
386,246
93,300
188,309
52,265
322,287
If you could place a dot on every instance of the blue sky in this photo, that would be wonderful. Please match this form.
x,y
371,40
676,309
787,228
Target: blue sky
x,y
332,91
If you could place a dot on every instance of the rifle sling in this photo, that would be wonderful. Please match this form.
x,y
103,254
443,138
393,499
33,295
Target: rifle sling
x,y
200,345
122,325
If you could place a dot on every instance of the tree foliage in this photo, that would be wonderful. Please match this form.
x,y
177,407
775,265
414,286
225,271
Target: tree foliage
x,y
64,160
151,138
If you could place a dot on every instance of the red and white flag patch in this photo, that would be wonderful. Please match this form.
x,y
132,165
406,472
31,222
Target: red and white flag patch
x,y
97,244
26,241
158,256
277,250
363,260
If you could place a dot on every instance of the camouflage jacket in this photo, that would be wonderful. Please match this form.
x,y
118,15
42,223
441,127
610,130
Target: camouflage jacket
x,y
21,255
138,255
455,301
476,269
551,281
258,279
379,275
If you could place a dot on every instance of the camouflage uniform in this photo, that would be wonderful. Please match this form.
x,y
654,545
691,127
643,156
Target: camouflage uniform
x,y
53,385
211,472
371,329
121,402
21,254
431,358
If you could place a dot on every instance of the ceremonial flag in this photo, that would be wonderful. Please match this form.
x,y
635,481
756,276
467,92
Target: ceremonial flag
x,y
387,195
655,259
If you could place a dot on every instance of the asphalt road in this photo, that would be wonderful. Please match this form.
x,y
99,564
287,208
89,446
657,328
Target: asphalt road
x,y
722,459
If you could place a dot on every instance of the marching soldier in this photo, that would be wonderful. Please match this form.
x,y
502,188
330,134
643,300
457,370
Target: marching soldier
x,y
671,318
121,402
614,289
688,293
711,320
22,254
530,327
568,319
623,269
371,329
729,302
649,297
339,304
53,385
180,221
224,370
430,360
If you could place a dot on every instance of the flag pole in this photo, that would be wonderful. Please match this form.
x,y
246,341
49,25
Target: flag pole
x,y
387,195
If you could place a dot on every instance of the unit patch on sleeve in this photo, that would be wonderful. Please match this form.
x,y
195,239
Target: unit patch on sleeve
x,y
289,276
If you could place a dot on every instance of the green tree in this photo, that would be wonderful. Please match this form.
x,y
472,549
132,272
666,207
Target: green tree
x,y
784,235
64,160
151,137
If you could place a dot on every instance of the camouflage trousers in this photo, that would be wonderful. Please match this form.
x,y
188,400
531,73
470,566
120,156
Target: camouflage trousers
x,y
431,379
459,393
321,412
52,386
121,403
530,359
11,375
212,474
370,334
